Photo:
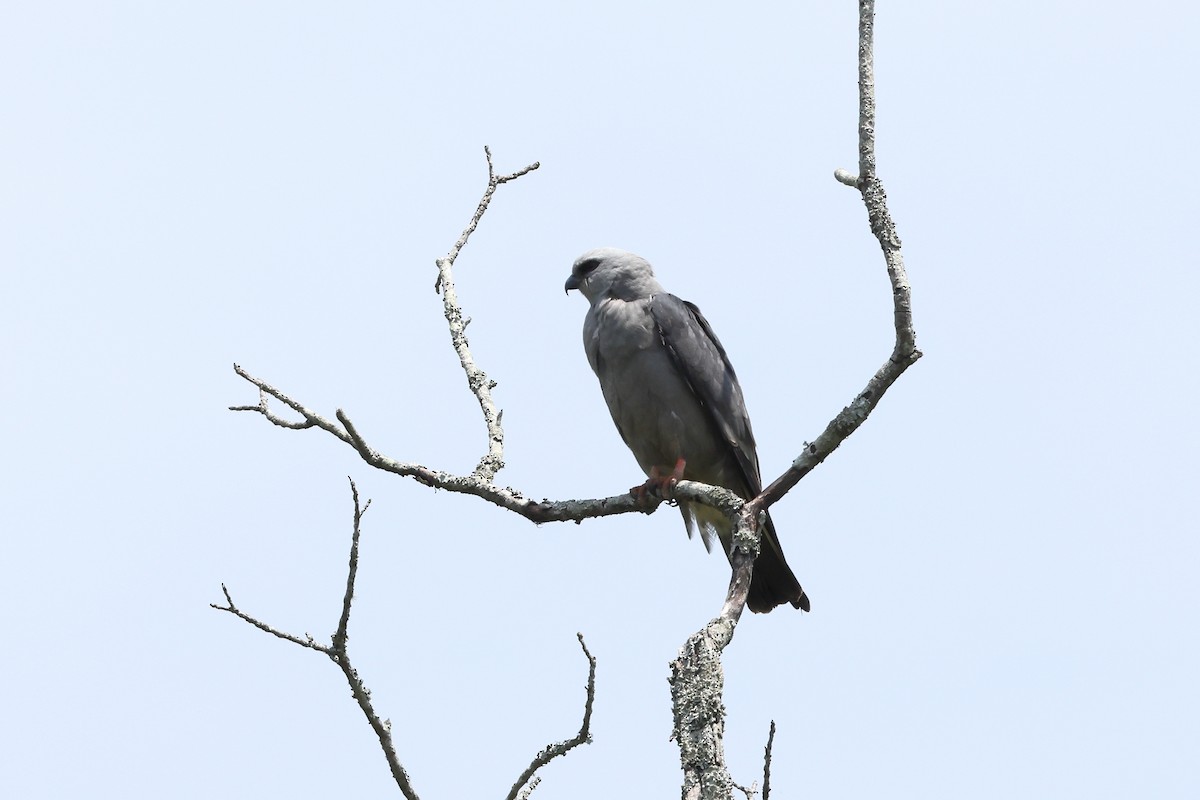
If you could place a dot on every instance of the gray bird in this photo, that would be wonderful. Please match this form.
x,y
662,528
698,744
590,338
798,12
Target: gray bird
x,y
676,401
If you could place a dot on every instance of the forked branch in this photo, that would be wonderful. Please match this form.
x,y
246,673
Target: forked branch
x,y
481,386
904,349
339,654
696,674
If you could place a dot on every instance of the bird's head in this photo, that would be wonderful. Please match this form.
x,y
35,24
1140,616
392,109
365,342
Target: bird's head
x,y
611,273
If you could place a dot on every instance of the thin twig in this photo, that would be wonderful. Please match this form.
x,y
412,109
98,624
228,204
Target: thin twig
x,y
477,380
494,181
481,386
307,641
338,654
552,751
311,418
767,763
339,636
749,791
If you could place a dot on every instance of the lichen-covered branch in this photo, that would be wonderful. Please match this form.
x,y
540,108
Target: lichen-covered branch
x,y
480,481
338,653
696,674
904,351
481,386
697,689
505,497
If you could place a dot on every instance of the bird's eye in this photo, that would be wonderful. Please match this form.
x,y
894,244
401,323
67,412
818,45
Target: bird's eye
x,y
589,266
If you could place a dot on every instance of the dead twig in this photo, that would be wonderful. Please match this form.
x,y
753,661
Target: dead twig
x,y
553,751
338,653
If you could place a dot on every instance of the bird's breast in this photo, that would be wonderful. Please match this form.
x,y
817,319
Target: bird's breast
x,y
653,406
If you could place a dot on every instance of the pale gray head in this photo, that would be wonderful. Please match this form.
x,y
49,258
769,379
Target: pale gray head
x,y
607,272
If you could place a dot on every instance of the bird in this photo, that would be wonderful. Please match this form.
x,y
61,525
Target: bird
x,y
676,402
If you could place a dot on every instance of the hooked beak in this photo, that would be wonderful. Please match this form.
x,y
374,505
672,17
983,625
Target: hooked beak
x,y
572,283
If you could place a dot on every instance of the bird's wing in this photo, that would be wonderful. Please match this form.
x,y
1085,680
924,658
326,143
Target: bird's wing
x,y
700,360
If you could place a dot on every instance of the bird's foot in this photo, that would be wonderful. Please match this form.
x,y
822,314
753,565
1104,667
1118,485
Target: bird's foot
x,y
658,486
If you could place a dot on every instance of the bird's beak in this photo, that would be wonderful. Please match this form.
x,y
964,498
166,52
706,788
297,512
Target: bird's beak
x,y
572,283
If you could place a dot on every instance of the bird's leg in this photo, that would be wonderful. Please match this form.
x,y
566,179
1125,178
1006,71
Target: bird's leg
x,y
659,486
642,493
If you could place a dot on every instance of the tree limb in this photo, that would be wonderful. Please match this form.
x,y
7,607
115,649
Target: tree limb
x,y
767,763
553,751
339,654
904,351
481,386
697,689
479,481
696,676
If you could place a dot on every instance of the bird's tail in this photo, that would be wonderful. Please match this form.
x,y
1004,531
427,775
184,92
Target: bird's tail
x,y
773,582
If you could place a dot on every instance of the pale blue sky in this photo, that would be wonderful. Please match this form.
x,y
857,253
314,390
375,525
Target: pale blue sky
x,y
1001,562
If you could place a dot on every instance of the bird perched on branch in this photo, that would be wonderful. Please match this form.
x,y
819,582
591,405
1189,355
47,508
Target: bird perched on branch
x,y
676,401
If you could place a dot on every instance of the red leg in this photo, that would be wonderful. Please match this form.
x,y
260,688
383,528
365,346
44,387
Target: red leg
x,y
659,485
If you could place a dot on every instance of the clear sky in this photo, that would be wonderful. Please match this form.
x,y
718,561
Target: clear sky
x,y
1002,562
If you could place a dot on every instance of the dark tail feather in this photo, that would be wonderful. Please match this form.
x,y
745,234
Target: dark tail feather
x,y
773,583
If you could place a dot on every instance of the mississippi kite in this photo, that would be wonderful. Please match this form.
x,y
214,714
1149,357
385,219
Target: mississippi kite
x,y
676,401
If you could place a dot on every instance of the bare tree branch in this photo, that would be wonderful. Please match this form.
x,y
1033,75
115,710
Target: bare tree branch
x,y
553,751
697,687
749,791
904,352
505,497
339,636
767,763
338,653
477,379
307,641
528,790
697,679
479,482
